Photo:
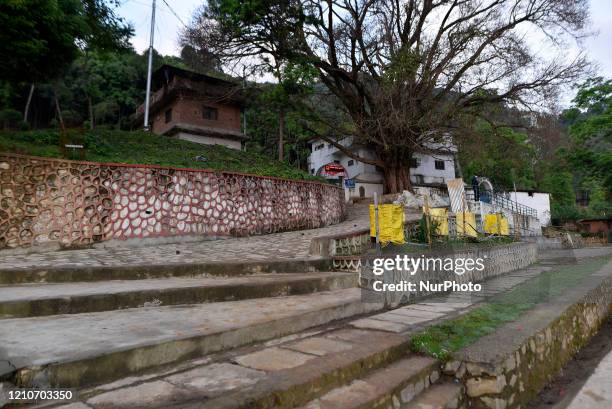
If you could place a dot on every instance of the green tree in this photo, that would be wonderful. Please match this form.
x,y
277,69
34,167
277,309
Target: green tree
x,y
502,154
589,123
110,85
40,38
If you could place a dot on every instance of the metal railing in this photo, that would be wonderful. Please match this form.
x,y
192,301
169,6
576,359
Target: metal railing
x,y
499,200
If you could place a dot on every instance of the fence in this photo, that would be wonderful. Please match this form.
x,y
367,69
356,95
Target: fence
x,y
501,201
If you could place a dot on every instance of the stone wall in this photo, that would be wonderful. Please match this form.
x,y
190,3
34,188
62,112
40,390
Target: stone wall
x,y
73,204
515,375
497,260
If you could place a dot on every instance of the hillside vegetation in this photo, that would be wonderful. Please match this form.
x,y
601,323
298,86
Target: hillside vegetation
x,y
145,148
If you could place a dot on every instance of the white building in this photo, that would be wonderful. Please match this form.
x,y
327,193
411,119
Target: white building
x,y
536,200
362,179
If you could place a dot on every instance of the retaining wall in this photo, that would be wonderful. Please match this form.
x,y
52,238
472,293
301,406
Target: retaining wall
x,y
509,368
497,260
73,204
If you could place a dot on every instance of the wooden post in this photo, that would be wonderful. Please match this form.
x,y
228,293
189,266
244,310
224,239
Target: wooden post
x,y
376,224
426,211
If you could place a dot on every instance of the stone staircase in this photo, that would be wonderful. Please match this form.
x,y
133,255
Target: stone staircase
x,y
250,336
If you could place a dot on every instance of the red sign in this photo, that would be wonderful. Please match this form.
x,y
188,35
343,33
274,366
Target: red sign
x,y
334,169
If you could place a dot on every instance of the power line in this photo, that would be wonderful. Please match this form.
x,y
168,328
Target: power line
x,y
175,14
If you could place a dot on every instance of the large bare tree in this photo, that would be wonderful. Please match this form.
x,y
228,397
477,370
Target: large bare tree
x,y
406,72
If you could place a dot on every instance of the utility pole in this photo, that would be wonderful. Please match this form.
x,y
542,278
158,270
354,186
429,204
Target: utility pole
x,y
150,70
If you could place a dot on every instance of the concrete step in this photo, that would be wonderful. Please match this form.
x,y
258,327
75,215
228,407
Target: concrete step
x,y
440,396
90,348
290,372
284,374
83,272
31,300
385,388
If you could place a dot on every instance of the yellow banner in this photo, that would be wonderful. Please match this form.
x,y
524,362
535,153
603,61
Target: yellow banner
x,y
439,217
467,226
496,224
390,223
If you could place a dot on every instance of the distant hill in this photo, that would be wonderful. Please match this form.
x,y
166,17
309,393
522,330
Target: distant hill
x,y
145,148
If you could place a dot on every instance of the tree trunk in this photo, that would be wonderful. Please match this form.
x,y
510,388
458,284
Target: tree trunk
x,y
26,112
397,178
59,111
281,135
458,170
92,124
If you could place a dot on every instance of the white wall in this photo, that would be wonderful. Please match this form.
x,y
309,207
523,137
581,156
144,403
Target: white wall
x,y
327,154
536,200
209,140
427,168
371,178
370,189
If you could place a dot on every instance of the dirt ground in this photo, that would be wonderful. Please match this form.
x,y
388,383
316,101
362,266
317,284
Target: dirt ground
x,y
566,384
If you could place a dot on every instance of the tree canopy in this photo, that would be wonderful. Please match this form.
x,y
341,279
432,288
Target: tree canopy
x,y
40,38
405,73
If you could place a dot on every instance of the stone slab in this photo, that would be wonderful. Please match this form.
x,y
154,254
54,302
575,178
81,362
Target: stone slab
x,y
377,386
435,308
369,323
217,378
413,311
353,335
400,318
273,359
152,394
319,346
445,395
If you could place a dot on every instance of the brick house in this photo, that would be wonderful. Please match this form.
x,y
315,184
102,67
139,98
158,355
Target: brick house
x,y
195,107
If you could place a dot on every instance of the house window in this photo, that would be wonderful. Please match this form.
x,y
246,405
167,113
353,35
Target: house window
x,y
440,164
210,113
351,162
319,147
312,171
414,163
168,115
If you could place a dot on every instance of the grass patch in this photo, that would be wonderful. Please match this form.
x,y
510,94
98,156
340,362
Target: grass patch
x,y
440,341
446,244
145,148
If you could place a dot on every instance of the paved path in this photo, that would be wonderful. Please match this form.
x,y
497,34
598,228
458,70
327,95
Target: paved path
x,y
278,246
596,393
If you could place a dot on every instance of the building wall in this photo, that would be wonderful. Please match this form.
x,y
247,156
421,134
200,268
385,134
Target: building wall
x,y
368,189
209,140
189,111
536,200
595,226
71,204
427,169
371,178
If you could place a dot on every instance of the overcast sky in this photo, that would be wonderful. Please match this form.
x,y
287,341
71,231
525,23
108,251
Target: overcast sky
x,y
168,26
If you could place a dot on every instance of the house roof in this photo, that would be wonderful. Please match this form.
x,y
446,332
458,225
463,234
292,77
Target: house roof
x,y
596,219
166,72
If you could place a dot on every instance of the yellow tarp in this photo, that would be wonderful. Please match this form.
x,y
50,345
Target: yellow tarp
x,y
390,223
496,224
470,224
439,216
